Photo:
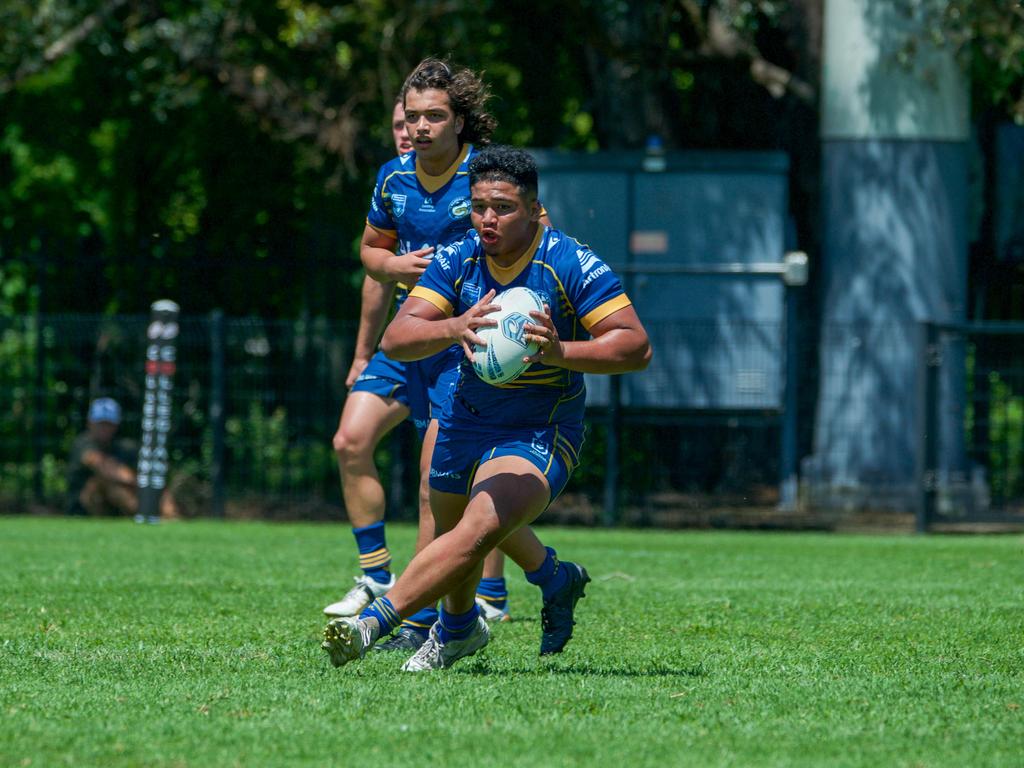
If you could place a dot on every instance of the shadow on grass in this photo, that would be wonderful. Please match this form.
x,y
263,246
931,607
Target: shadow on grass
x,y
542,667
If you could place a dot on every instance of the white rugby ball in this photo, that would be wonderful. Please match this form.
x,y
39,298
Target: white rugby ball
x,y
501,360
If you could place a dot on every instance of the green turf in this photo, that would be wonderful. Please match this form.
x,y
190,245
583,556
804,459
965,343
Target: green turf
x,y
198,645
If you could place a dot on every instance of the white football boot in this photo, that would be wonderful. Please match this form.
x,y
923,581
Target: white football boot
x,y
434,654
492,614
347,639
361,595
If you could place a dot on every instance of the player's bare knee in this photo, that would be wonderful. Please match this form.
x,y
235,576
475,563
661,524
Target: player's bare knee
x,y
347,450
483,531
338,443
477,544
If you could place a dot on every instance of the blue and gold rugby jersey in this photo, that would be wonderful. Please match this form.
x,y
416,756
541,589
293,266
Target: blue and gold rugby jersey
x,y
580,289
420,210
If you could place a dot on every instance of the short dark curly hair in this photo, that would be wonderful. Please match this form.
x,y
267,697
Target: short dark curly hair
x,y
501,163
467,94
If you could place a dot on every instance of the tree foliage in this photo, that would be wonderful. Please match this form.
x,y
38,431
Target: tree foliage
x,y
222,152
987,37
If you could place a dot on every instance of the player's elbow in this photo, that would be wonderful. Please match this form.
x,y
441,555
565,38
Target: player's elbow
x,y
373,265
641,356
635,352
645,355
389,345
395,346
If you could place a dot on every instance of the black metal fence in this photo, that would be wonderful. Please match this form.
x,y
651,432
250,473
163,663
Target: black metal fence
x,y
974,474
265,395
256,403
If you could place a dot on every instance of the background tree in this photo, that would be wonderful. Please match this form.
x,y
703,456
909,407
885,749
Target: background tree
x,y
222,151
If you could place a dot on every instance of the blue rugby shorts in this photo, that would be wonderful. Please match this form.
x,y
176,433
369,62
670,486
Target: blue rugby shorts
x,y
384,377
461,449
431,383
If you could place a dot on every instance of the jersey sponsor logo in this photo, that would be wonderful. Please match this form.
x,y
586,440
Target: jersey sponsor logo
x,y
459,208
596,274
443,256
427,206
588,259
445,473
398,204
470,294
512,328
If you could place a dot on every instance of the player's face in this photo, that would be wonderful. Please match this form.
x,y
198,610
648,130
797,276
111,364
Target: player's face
x,y
432,125
505,218
401,136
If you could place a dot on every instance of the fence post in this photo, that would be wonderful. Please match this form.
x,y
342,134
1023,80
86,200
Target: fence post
x,y
38,409
217,410
610,512
794,276
931,361
38,397
788,449
654,162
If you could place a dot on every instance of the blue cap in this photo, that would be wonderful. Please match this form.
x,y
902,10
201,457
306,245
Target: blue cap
x,y
105,409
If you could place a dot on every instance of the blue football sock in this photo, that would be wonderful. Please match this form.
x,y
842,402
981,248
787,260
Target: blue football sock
x,y
384,612
422,620
494,592
456,626
374,556
551,576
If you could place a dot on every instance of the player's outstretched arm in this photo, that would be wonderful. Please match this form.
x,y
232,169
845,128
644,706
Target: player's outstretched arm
x,y
421,329
619,344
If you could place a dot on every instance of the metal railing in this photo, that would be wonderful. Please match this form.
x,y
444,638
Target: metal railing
x,y
256,403
971,441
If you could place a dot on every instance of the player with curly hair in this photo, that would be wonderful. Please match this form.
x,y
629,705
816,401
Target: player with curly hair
x,y
420,201
503,453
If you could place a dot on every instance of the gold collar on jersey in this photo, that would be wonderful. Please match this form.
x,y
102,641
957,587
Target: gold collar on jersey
x,y
434,183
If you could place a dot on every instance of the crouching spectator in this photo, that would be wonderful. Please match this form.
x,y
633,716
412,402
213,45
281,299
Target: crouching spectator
x,y
101,468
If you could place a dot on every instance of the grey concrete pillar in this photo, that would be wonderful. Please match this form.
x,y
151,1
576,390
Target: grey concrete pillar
x,y
894,147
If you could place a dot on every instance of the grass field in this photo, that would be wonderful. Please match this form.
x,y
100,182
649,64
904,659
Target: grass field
x,y
198,645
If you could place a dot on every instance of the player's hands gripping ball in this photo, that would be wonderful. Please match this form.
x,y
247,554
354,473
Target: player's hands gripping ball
x,y
544,334
508,350
474,320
